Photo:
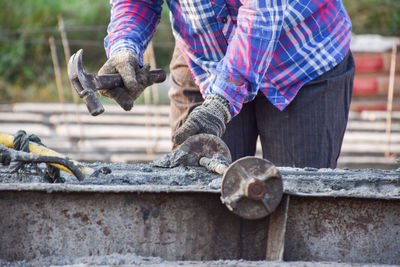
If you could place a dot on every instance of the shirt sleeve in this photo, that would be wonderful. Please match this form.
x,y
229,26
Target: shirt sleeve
x,y
132,25
250,50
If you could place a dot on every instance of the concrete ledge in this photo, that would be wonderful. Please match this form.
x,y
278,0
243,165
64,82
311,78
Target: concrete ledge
x,y
138,178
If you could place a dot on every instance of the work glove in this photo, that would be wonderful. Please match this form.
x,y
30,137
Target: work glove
x,y
135,78
210,117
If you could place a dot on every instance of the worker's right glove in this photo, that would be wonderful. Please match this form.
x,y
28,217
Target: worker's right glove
x,y
210,117
135,78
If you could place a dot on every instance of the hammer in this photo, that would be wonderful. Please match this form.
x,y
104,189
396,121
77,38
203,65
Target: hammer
x,y
85,84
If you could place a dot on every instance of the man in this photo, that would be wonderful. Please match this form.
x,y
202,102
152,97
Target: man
x,y
278,69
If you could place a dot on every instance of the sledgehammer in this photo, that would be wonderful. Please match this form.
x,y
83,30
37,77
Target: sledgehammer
x,y
85,84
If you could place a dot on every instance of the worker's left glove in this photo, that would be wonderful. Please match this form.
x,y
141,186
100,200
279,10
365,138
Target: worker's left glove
x,y
135,78
210,117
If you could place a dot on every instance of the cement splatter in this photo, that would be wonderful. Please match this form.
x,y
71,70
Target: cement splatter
x,y
121,174
174,158
366,183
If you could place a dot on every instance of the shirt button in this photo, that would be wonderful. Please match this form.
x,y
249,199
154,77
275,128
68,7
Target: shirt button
x,y
224,20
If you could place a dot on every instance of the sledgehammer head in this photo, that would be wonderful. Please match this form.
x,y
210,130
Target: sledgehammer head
x,y
84,84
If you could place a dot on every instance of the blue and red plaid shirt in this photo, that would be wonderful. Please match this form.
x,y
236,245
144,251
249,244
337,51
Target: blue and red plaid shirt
x,y
275,46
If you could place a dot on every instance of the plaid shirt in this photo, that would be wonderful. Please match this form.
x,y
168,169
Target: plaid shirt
x,y
275,46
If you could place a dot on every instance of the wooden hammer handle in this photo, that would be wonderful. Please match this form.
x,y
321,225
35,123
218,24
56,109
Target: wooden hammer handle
x,y
110,81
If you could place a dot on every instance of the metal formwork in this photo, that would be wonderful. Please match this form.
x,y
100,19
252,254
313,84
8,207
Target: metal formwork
x,y
339,216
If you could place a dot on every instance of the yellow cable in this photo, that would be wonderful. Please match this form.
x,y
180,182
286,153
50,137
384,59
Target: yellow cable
x,y
8,141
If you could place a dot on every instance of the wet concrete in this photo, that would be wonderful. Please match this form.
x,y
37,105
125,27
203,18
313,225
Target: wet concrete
x,y
121,174
366,183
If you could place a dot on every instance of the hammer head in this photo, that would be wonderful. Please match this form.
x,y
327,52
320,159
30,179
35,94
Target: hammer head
x,y
84,84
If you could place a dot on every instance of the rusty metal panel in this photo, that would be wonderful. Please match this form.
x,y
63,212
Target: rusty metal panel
x,y
344,230
170,226
176,214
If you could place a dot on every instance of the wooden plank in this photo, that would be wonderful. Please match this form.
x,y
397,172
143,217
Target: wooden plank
x,y
365,160
368,137
107,146
53,108
376,103
125,133
131,158
366,146
369,148
88,157
127,145
277,231
84,156
22,117
131,119
370,126
60,145
31,128
120,131
56,68
371,115
390,96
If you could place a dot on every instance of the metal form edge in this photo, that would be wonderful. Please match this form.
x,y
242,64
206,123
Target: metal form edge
x,y
307,182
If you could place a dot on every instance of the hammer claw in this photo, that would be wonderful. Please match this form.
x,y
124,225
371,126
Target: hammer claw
x,y
85,84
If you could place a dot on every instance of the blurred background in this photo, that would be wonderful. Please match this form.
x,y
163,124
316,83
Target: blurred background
x,y
37,37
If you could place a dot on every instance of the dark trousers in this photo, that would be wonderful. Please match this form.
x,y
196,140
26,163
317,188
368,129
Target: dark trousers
x,y
308,133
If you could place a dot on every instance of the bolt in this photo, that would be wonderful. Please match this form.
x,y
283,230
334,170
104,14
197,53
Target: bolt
x,y
256,190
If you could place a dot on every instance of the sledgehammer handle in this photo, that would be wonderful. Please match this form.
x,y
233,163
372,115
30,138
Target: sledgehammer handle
x,y
110,81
